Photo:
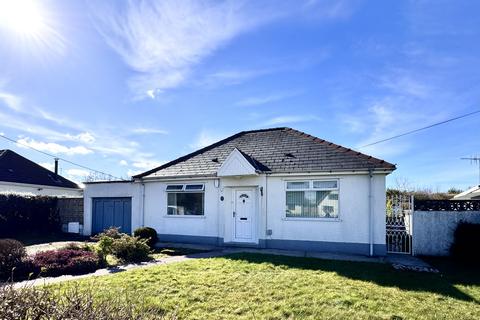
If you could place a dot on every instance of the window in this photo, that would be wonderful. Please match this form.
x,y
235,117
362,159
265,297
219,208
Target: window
x,y
185,199
312,199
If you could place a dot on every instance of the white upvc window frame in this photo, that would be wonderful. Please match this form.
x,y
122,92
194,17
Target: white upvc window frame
x,y
311,181
184,190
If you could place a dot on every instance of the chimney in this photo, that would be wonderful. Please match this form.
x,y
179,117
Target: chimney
x,y
56,165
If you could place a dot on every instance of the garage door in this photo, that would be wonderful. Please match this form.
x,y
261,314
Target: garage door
x,y
112,212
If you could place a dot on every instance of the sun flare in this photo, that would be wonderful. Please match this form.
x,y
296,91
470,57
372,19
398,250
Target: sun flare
x,y
24,17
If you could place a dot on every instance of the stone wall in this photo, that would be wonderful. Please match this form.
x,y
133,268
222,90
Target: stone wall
x,y
433,230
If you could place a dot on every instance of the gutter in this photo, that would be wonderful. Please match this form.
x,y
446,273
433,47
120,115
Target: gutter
x,y
370,211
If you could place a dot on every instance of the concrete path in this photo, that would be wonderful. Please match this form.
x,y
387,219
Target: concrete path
x,y
400,262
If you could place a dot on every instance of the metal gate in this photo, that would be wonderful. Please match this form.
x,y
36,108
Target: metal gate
x,y
399,224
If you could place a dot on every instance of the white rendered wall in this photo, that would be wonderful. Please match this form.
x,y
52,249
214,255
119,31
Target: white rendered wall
x,y
111,190
350,227
352,223
157,218
38,190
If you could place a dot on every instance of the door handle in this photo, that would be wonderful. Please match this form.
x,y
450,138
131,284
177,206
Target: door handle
x,y
243,219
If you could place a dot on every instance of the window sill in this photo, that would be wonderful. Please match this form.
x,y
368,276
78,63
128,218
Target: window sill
x,y
180,216
313,219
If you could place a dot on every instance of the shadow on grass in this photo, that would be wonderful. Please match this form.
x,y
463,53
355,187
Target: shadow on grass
x,y
380,274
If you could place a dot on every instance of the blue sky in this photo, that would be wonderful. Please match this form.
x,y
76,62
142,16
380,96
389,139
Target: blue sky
x,y
125,86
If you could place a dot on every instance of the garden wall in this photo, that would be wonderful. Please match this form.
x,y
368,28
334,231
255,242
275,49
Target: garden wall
x,y
433,230
70,210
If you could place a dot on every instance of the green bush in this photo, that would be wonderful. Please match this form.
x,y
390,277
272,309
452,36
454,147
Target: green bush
x,y
131,249
124,247
148,234
22,215
465,242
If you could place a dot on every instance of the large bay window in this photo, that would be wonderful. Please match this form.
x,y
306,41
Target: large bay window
x,y
185,199
312,199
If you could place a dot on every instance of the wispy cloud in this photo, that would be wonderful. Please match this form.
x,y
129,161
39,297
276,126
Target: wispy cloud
x,y
206,138
281,120
148,131
52,147
11,101
273,97
162,41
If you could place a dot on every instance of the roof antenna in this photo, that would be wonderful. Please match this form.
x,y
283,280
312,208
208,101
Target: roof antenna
x,y
474,160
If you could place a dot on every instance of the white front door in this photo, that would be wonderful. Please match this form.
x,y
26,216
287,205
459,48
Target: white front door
x,y
243,216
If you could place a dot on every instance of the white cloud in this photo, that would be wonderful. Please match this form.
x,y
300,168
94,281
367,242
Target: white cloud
x,y
404,83
147,164
206,138
86,137
48,165
12,101
259,100
123,163
52,147
78,173
162,41
290,119
148,131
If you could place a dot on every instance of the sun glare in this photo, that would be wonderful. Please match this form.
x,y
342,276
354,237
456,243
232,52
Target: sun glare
x,y
24,17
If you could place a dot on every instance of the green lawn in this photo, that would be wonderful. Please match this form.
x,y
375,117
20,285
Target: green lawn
x,y
255,286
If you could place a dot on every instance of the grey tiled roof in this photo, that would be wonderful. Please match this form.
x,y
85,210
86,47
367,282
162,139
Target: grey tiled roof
x,y
278,150
15,168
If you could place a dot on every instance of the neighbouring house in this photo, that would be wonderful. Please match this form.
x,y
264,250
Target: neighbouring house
x,y
470,194
272,188
19,175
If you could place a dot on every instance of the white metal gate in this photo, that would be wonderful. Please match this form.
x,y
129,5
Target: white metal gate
x,y
399,224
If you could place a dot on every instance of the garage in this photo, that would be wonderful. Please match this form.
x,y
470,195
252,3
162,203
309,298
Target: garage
x,y
112,212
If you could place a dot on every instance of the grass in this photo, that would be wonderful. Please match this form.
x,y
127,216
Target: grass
x,y
255,286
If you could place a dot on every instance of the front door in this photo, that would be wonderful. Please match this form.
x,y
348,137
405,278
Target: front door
x,y
243,216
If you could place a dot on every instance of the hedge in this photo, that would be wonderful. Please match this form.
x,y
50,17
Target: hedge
x,y
20,215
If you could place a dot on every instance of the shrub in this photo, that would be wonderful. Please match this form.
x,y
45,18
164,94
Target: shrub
x,y
78,247
66,261
21,214
465,242
70,303
12,252
124,247
147,233
112,232
130,249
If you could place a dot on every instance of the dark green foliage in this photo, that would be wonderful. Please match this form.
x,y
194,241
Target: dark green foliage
x,y
147,233
69,304
14,263
466,240
12,253
66,261
20,215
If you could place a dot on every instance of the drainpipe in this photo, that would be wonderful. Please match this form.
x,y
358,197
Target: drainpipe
x,y
265,196
142,190
370,210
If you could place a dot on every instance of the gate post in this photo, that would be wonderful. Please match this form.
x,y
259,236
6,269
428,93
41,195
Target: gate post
x,y
412,203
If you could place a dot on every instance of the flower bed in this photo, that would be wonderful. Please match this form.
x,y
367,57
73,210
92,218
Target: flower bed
x,y
66,262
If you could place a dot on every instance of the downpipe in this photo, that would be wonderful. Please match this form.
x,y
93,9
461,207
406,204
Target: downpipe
x,y
370,211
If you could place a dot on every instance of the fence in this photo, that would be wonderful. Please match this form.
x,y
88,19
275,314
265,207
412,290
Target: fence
x,y
434,222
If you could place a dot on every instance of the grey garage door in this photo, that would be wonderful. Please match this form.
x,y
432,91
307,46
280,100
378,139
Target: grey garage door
x,y
112,212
